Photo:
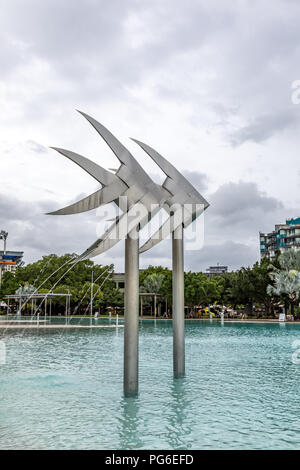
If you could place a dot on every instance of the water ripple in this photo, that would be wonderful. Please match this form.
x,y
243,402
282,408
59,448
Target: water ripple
x,y
64,390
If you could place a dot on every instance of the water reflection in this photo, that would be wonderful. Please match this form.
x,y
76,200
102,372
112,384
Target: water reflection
x,y
177,420
129,429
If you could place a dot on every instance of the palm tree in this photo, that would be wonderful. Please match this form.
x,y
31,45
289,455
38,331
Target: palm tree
x,y
152,285
26,289
287,279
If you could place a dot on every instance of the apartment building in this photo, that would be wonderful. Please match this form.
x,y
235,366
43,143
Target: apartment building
x,y
283,238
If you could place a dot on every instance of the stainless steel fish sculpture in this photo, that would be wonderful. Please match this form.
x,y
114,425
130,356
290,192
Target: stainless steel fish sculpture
x,y
185,202
130,187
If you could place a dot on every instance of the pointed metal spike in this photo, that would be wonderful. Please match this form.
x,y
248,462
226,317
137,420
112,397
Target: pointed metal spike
x,y
96,171
116,232
86,204
99,198
184,218
121,152
171,172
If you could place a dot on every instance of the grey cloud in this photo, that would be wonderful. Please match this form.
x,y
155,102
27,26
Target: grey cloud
x,y
199,180
231,254
235,202
13,209
227,67
90,48
12,52
37,234
36,147
161,255
237,213
265,127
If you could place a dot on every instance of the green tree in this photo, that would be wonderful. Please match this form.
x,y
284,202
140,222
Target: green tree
x,y
286,278
56,274
166,281
200,289
152,283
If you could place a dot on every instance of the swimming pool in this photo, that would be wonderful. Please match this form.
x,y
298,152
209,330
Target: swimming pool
x,y
62,389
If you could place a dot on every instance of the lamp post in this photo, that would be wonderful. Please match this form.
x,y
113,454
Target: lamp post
x,y
3,236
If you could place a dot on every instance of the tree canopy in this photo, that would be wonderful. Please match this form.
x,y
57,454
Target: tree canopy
x,y
286,278
57,274
265,283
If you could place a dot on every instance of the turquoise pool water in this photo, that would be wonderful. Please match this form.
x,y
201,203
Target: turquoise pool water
x,y
62,389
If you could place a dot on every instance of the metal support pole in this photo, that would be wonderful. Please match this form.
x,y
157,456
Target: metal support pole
x,y
69,305
131,316
178,303
92,288
20,306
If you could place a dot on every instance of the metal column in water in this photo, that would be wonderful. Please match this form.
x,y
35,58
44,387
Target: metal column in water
x,y
131,316
178,303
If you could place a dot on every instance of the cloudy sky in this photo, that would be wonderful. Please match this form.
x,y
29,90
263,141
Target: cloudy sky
x,y
208,84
